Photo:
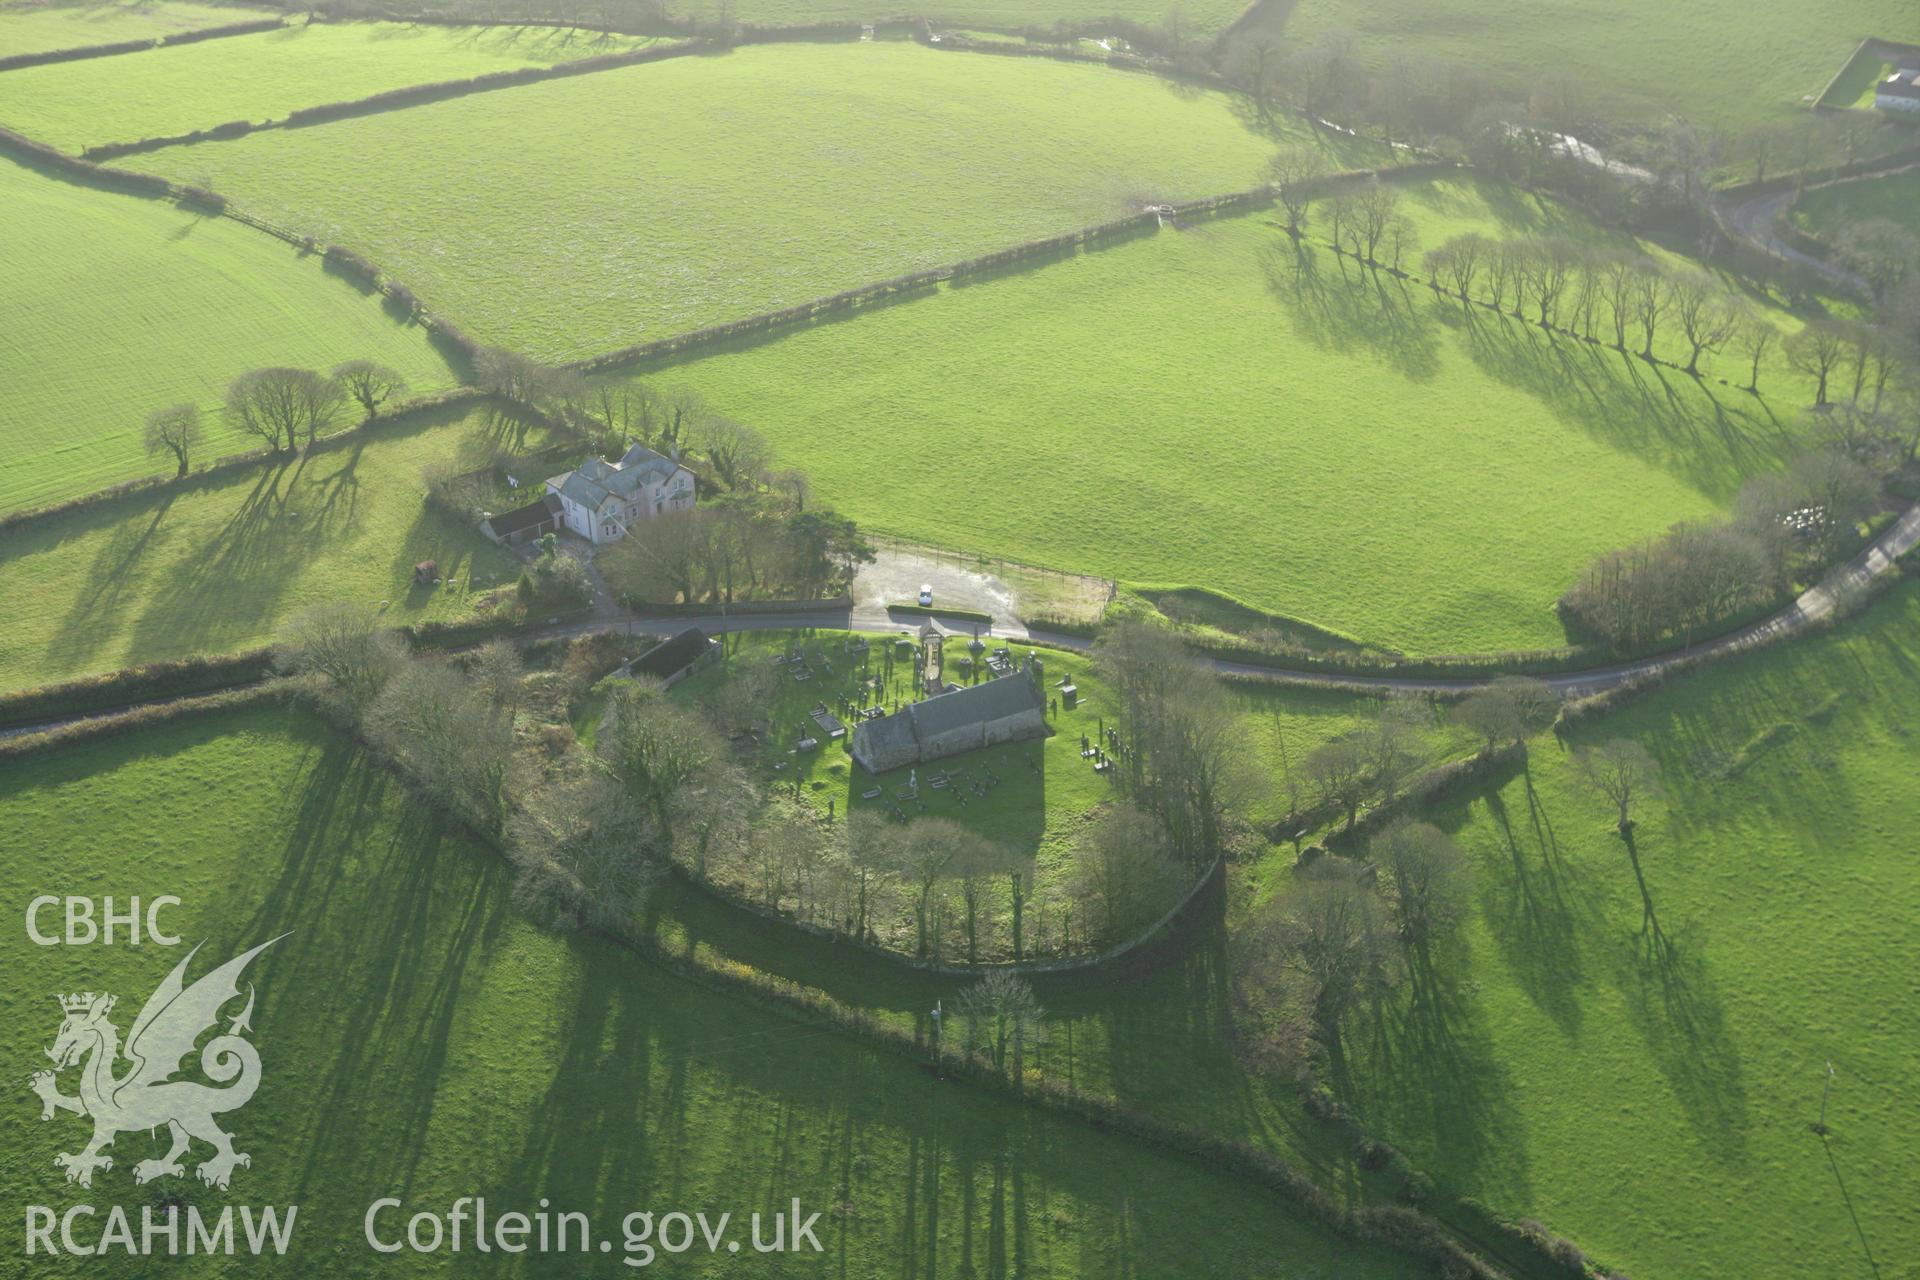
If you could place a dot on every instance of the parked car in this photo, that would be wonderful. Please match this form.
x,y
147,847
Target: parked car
x,y
926,594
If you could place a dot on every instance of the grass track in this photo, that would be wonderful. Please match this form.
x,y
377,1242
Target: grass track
x,y
456,1051
74,105
718,187
119,305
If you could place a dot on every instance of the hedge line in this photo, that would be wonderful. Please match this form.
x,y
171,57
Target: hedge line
x,y
145,683
1395,1226
222,466
79,52
113,726
410,95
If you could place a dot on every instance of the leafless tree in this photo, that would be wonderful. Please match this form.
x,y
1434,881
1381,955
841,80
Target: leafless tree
x,y
283,407
174,430
1622,771
371,385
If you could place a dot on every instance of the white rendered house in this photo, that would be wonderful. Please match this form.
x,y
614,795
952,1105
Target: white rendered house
x,y
600,500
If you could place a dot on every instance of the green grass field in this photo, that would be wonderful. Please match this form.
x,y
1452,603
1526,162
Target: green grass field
x,y
1827,210
455,1051
221,564
74,105
120,305
1725,63
1181,409
718,187
1656,1106
1200,16
28,27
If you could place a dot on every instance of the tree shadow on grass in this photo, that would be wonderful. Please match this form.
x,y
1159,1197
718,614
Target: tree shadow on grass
x,y
1529,898
1673,1002
110,583
1341,305
1426,1076
1673,422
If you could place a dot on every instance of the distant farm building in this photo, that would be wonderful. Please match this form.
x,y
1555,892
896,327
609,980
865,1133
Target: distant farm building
x,y
1900,91
601,500
672,661
1009,709
525,524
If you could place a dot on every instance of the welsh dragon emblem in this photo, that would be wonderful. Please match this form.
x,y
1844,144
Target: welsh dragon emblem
x,y
146,1096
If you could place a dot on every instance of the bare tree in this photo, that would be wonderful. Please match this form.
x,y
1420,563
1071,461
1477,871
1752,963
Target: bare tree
x,y
1754,337
1816,351
1123,874
371,385
1297,174
591,830
1706,313
1002,1019
174,430
344,652
1507,709
1428,879
283,407
1621,770
1337,771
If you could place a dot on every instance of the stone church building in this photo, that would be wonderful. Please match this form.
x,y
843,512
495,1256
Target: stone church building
x,y
1009,709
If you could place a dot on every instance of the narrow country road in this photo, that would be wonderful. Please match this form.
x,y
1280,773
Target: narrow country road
x,y
1756,217
1815,603
1812,605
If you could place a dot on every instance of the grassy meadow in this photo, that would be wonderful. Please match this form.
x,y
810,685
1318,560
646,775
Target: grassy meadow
x,y
1725,63
457,1051
34,26
221,563
74,105
717,187
1186,408
1654,1102
119,305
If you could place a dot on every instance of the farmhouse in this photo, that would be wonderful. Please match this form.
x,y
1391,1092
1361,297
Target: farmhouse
x,y
600,500
1899,91
1009,709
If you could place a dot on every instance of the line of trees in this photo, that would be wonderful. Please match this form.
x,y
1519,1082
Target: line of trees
x,y
1698,576
285,409
1339,940
1183,757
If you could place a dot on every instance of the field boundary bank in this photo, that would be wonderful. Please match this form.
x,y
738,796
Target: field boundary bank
x,y
1152,947
1409,1230
402,98
224,467
1049,248
84,52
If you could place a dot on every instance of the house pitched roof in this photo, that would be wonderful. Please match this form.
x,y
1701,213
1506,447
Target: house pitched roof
x,y
545,508
992,700
670,656
593,481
